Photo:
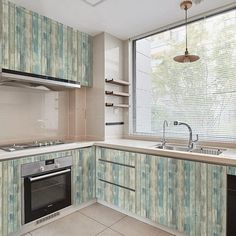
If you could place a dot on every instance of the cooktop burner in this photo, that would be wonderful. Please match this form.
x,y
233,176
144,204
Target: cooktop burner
x,y
18,147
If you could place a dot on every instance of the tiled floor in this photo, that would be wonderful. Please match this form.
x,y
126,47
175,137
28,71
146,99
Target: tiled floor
x,y
97,220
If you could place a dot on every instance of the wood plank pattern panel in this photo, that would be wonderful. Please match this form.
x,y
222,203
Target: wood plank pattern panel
x,y
113,180
216,202
201,191
23,40
84,175
36,44
183,195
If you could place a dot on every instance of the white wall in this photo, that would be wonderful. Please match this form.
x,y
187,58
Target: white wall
x,y
95,107
114,68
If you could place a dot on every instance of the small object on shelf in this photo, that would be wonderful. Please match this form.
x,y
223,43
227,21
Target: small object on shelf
x,y
119,94
114,123
117,82
117,105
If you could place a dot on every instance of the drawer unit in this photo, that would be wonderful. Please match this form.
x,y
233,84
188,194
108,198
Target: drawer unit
x,y
119,174
116,156
116,178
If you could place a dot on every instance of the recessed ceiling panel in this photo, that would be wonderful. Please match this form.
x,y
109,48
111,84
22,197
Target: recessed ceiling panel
x,y
93,3
121,18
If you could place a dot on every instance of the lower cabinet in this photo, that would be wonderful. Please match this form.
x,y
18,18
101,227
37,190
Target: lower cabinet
x,y
84,165
183,195
115,178
83,184
187,196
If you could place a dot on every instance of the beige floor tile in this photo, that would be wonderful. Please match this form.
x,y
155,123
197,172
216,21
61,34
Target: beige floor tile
x,y
131,227
109,232
102,214
75,224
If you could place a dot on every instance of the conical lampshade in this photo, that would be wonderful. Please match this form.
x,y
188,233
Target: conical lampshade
x,y
186,58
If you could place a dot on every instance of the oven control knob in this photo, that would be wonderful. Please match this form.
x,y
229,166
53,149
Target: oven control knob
x,y
41,168
57,165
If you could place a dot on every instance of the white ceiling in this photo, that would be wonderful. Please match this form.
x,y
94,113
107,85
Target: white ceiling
x,y
121,18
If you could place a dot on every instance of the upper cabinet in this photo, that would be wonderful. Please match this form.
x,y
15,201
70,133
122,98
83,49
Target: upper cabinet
x,y
36,44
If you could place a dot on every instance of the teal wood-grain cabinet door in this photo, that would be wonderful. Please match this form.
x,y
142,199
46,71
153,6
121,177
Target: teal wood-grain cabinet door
x,y
187,196
21,39
87,61
36,44
84,168
115,178
11,190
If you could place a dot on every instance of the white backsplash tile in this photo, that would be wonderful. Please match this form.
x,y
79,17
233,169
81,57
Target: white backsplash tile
x,y
27,114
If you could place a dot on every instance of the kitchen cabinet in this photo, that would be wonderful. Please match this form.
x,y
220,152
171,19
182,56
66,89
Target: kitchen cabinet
x,y
183,195
115,178
84,165
83,184
10,185
187,196
36,44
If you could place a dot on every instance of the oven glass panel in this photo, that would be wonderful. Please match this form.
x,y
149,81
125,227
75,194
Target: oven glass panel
x,y
46,191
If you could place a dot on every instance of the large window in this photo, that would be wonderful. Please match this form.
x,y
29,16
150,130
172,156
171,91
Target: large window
x,y
202,94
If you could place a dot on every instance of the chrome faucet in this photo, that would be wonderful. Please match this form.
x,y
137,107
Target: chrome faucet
x,y
163,141
191,142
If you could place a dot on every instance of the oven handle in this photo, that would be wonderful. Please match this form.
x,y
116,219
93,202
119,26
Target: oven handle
x,y
32,179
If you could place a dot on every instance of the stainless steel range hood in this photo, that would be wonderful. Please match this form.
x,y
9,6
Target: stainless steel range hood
x,y
23,79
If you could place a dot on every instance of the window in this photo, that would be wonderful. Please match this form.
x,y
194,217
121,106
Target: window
x,y
202,94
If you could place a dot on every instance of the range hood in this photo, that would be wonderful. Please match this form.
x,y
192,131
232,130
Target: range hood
x,y
23,79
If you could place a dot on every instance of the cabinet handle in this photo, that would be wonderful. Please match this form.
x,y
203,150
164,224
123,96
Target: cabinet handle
x,y
116,163
130,189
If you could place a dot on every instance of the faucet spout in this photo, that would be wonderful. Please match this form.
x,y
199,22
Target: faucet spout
x,y
190,141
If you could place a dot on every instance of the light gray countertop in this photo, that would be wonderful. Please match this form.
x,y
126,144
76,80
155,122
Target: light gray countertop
x,y
37,151
228,157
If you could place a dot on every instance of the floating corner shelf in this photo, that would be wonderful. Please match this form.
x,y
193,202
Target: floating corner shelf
x,y
119,94
114,123
117,82
117,105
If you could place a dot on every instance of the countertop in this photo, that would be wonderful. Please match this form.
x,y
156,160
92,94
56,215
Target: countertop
x,y
37,151
228,157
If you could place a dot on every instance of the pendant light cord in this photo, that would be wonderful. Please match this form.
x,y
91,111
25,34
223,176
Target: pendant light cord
x,y
186,27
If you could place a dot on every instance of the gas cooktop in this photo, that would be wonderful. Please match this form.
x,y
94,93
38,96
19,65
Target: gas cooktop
x,y
36,144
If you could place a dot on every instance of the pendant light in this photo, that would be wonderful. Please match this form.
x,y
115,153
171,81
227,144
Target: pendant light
x,y
185,5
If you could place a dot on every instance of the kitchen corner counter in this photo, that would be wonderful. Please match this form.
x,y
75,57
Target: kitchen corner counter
x,y
43,150
139,146
149,148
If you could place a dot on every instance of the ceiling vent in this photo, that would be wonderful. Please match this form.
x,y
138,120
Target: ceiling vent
x,y
93,3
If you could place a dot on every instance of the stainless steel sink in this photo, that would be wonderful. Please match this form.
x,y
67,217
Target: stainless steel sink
x,y
174,148
198,149
208,150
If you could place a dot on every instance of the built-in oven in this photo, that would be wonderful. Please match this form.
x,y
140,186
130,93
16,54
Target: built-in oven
x,y
46,187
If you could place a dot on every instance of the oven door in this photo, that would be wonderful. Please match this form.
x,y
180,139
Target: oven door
x,y
46,193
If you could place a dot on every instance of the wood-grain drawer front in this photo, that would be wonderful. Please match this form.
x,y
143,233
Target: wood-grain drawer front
x,y
117,174
117,156
118,196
